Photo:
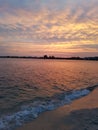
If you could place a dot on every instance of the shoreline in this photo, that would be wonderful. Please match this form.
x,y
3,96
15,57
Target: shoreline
x,y
45,57
31,111
81,114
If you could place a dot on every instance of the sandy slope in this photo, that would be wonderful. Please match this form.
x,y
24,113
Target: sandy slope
x,y
82,114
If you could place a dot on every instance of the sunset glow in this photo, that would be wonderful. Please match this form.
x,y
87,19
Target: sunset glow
x,y
53,27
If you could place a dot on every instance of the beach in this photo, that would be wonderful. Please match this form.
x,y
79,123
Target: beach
x,y
48,65
45,98
81,114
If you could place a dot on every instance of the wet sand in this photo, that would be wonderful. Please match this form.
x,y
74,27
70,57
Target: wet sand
x,y
81,114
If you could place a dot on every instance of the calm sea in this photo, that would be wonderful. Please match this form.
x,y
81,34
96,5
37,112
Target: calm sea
x,y
24,82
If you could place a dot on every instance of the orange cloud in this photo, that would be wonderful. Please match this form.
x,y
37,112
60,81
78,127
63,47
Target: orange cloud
x,y
60,29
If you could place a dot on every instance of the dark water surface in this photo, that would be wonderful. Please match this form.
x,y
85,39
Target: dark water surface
x,y
23,81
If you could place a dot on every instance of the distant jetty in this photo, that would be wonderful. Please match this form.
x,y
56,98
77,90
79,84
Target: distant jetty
x,y
53,57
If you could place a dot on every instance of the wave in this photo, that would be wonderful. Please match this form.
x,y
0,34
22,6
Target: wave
x,y
32,110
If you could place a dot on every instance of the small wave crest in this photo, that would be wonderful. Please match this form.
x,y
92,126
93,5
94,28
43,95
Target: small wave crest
x,y
32,110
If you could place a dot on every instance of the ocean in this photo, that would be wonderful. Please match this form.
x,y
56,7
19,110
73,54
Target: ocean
x,y
29,87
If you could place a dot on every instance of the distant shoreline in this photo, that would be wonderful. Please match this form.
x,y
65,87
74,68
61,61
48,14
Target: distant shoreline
x,y
52,57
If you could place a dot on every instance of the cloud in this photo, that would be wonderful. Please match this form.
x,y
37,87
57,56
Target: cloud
x,y
43,22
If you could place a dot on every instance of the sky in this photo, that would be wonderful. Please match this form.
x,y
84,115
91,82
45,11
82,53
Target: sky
x,y
54,27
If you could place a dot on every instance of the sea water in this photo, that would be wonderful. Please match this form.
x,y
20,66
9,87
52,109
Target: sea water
x,y
31,86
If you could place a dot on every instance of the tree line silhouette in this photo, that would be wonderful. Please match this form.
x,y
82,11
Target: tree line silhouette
x,y
53,57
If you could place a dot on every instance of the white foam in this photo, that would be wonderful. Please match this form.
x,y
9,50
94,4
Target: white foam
x,y
32,111
77,94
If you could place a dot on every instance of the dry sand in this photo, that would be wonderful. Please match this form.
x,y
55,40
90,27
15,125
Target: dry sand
x,y
81,114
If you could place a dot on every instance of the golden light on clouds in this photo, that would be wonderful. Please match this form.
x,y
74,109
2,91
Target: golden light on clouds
x,y
36,28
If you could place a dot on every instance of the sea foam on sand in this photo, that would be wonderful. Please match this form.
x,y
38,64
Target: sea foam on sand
x,y
32,110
